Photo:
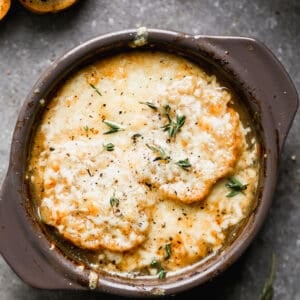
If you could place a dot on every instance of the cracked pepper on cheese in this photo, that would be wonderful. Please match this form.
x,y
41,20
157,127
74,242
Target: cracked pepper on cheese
x,y
143,159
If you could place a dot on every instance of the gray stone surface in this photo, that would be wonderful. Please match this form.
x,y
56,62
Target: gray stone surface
x,y
28,44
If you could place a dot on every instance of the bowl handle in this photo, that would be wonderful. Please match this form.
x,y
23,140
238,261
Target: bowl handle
x,y
18,247
262,74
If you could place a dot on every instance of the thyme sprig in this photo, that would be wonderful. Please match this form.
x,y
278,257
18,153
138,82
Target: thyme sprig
x,y
160,270
268,291
161,155
150,104
160,152
184,164
114,127
174,125
96,90
236,187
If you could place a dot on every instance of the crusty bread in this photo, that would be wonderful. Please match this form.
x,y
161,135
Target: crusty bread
x,y
4,8
46,6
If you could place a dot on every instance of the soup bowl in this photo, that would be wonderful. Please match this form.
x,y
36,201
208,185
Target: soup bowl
x,y
254,74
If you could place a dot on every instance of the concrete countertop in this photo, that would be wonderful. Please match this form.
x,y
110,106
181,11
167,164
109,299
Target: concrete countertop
x,y
29,43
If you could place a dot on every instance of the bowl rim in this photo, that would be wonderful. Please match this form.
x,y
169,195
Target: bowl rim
x,y
237,56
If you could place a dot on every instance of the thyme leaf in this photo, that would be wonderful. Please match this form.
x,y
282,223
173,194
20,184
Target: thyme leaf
x,y
160,271
150,104
114,202
162,274
96,90
109,147
155,264
174,125
114,127
168,251
159,151
184,164
236,187
268,291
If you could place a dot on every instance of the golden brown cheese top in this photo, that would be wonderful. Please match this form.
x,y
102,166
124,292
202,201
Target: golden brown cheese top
x,y
131,160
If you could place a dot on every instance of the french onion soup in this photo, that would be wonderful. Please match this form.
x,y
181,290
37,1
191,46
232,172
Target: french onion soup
x,y
143,164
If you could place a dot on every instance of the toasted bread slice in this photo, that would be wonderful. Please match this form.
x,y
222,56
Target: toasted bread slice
x,y
4,8
46,6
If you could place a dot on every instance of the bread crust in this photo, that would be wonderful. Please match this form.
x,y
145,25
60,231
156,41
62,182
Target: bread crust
x,y
4,8
47,6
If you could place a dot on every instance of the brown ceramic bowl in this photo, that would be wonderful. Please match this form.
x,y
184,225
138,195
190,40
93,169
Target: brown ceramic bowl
x,y
254,73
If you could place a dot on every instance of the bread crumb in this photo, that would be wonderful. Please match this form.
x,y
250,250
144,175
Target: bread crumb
x,y
158,292
80,268
93,280
140,38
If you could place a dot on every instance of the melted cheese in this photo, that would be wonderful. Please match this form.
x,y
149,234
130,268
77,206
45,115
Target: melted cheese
x,y
129,203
